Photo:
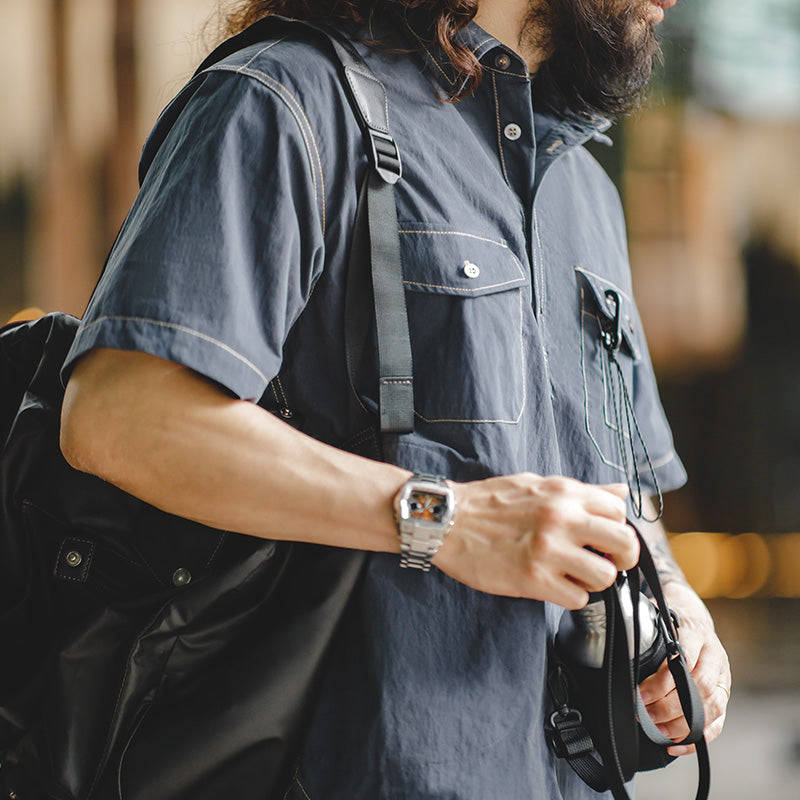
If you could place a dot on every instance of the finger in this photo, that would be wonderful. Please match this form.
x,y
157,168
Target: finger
x,y
613,539
715,728
677,729
590,571
667,710
711,732
563,592
600,502
657,686
619,489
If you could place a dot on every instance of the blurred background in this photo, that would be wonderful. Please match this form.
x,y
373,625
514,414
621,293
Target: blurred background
x,y
710,176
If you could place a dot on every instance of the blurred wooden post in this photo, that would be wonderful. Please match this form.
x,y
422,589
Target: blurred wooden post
x,y
125,146
61,274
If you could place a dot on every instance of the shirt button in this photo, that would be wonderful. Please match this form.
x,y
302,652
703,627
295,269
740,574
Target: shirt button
x,y
512,131
503,61
181,577
471,270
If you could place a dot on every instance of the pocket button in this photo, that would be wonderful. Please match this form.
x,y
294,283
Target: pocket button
x,y
471,270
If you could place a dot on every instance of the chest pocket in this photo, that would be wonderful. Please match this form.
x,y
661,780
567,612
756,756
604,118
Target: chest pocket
x,y
606,310
467,296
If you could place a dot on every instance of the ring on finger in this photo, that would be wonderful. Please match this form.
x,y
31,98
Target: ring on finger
x,y
724,689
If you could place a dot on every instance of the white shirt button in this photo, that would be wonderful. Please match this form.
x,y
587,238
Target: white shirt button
x,y
503,61
512,131
471,270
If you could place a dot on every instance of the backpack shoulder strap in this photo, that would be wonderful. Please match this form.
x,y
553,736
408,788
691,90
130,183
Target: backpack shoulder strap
x,y
375,255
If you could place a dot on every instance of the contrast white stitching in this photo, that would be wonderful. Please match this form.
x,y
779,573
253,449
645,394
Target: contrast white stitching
x,y
297,112
264,49
604,280
430,55
514,282
472,236
302,788
182,329
499,132
505,71
659,462
499,243
587,425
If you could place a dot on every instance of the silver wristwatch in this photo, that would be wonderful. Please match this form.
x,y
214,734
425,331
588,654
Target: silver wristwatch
x,y
424,510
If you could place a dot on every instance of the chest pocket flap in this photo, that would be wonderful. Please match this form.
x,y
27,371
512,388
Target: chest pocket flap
x,y
605,305
468,302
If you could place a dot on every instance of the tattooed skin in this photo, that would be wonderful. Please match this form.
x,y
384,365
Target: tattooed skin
x,y
656,537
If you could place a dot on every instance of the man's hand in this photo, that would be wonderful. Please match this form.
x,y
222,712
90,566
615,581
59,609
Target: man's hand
x,y
528,536
708,663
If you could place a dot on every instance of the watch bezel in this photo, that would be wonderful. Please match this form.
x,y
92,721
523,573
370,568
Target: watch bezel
x,y
421,486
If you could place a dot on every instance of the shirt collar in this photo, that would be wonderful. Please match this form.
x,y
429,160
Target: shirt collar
x,y
489,51
565,129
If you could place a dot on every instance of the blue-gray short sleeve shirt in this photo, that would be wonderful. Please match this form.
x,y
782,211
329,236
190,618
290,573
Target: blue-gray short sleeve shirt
x,y
232,263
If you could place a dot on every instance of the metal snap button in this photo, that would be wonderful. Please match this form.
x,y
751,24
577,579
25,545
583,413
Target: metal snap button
x,y
512,131
503,61
181,577
471,270
286,413
74,558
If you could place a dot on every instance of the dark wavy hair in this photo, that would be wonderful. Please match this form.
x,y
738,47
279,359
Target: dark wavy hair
x,y
596,63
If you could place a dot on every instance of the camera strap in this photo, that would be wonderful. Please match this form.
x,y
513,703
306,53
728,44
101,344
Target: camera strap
x,y
600,725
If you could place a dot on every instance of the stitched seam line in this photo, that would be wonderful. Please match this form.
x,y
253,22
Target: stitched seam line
x,y
283,394
604,280
660,462
523,378
459,233
473,236
183,329
461,289
302,788
430,55
603,458
539,259
385,97
505,71
264,49
499,132
298,113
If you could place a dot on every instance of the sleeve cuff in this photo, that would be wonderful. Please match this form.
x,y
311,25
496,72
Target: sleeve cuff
x,y
174,342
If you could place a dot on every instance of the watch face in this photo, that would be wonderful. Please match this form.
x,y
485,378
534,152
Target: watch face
x,y
427,506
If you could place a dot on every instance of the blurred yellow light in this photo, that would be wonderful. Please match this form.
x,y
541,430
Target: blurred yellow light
x,y
749,562
700,557
785,580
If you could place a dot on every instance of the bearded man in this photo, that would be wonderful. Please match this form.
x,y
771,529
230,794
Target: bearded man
x,y
230,270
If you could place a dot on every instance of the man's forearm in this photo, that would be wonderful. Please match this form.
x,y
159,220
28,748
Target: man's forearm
x,y
676,588
169,437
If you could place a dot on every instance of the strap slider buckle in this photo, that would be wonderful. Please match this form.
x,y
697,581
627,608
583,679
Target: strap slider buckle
x,y
384,156
566,735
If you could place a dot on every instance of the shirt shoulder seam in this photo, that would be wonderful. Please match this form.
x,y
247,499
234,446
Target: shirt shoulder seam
x,y
296,110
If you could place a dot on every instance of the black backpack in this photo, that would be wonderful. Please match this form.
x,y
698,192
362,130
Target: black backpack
x,y
144,655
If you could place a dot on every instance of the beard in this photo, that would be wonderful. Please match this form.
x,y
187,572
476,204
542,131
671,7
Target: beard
x,y
601,53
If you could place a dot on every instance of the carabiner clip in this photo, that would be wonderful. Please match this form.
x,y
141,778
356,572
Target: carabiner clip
x,y
612,330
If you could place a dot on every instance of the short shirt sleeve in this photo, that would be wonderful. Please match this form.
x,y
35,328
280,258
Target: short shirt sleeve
x,y
222,245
